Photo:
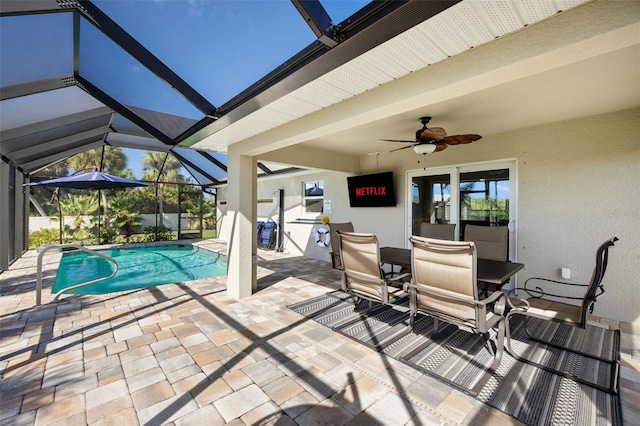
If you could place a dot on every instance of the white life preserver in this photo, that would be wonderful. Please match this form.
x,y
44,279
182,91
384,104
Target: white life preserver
x,y
327,237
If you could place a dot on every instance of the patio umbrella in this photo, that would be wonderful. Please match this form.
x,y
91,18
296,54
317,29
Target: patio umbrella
x,y
94,180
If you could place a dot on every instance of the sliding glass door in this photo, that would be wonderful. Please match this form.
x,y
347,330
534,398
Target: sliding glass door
x,y
480,194
484,198
430,202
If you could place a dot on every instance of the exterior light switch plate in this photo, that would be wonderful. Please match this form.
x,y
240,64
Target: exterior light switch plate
x,y
566,273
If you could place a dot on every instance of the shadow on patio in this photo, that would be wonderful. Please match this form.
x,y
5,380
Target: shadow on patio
x,y
189,353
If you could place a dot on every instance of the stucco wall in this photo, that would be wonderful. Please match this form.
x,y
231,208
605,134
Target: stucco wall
x,y
40,222
299,238
577,183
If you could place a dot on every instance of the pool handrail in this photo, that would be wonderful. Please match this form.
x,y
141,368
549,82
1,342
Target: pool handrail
x,y
78,247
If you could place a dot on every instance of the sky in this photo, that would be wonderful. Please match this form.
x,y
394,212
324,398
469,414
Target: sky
x,y
134,161
219,47
198,40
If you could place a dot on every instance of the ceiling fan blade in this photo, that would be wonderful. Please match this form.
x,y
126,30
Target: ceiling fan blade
x,y
451,140
440,147
461,139
469,138
433,134
404,147
397,140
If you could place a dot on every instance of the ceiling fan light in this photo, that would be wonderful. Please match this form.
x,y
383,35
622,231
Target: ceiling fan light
x,y
425,148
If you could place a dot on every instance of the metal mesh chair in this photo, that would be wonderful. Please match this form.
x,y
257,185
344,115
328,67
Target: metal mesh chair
x,y
362,274
543,304
443,286
336,262
492,243
439,231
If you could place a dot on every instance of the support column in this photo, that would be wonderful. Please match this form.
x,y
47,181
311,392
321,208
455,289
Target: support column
x,y
21,215
241,212
5,203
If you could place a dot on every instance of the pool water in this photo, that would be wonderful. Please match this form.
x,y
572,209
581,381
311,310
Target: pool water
x,y
138,267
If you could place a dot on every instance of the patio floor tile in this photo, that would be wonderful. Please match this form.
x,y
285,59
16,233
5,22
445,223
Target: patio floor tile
x,y
10,407
153,394
262,372
78,386
326,412
168,410
60,410
207,391
191,354
241,402
37,399
392,410
145,378
124,416
263,414
237,379
207,415
102,411
283,389
139,365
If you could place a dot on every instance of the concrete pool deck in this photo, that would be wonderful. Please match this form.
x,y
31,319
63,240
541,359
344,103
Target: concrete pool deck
x,y
191,354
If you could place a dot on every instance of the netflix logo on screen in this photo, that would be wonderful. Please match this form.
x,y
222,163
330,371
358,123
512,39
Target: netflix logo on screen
x,y
375,190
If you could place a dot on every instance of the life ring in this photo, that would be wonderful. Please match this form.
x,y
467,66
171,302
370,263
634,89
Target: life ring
x,y
327,237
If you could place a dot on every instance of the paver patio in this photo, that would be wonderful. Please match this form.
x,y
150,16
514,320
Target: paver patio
x,y
191,354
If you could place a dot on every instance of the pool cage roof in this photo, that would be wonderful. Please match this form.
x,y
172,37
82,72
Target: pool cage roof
x,y
77,75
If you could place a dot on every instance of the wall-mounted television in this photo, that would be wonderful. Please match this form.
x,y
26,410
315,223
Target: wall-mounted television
x,y
374,190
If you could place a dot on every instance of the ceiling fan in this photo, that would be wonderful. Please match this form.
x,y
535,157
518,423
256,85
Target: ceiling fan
x,y
433,139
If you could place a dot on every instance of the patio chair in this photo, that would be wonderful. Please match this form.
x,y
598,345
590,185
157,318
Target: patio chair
x,y
336,263
259,227
362,274
439,231
267,239
492,243
543,304
443,286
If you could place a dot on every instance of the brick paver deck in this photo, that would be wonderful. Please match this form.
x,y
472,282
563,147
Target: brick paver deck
x,y
191,354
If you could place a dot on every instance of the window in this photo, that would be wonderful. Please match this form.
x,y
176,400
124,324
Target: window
x,y
431,200
477,193
313,196
484,198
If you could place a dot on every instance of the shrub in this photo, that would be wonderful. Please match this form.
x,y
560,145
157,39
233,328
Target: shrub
x,y
107,236
149,235
43,237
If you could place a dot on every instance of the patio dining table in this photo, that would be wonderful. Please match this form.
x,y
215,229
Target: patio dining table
x,y
489,271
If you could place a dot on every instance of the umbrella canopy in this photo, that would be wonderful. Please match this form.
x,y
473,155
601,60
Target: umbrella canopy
x,y
91,181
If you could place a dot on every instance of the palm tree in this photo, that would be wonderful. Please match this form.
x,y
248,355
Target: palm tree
x,y
107,159
76,206
160,166
123,209
40,197
114,161
58,169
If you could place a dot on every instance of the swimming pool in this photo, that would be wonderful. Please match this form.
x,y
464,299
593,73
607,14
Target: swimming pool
x,y
138,267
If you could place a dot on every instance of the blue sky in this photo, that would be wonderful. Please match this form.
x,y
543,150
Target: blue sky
x,y
219,47
134,161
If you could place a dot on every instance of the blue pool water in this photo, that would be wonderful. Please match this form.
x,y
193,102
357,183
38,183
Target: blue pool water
x,y
138,267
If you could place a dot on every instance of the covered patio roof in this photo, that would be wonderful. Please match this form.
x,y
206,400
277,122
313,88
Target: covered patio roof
x,y
79,75
119,74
